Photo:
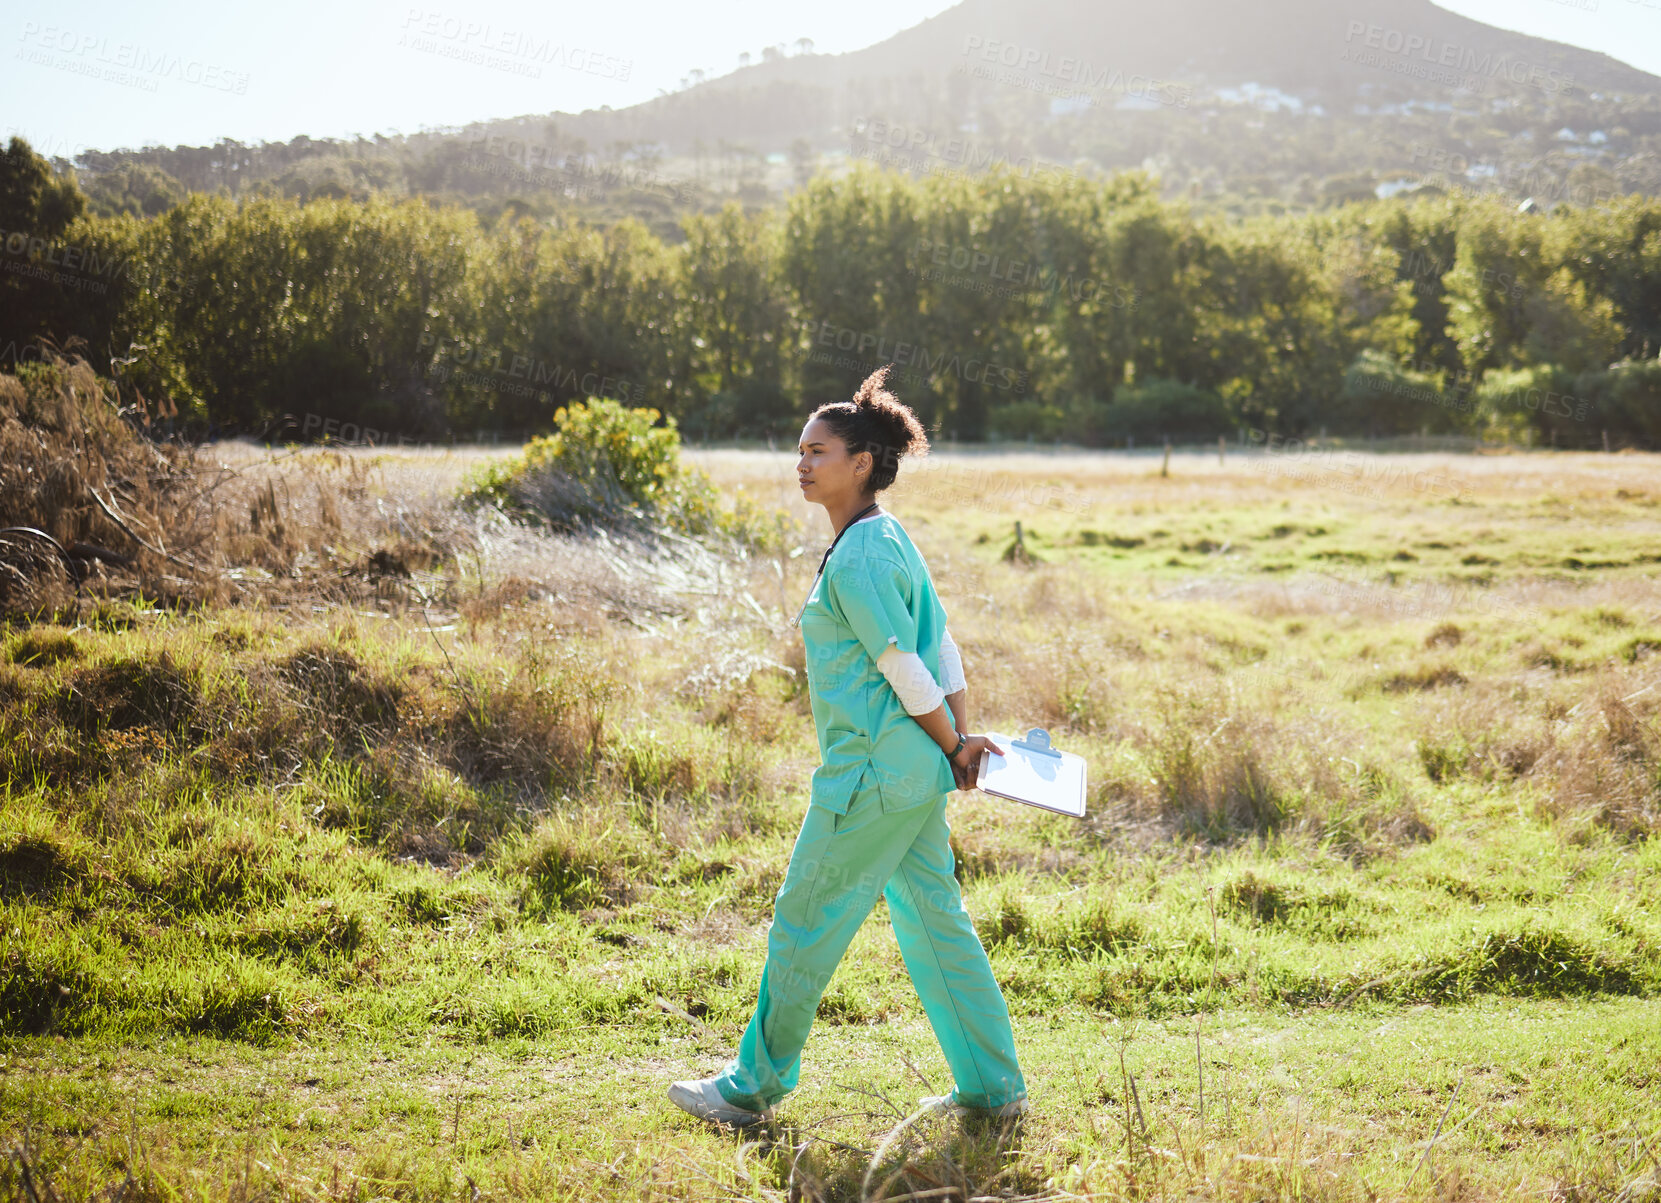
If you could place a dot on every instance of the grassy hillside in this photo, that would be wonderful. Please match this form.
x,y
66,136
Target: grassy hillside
x,y
423,876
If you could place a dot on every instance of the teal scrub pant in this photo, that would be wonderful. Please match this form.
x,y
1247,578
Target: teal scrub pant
x,y
837,867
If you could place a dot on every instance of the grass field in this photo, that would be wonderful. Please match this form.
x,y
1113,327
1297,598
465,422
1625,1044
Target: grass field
x,y
426,887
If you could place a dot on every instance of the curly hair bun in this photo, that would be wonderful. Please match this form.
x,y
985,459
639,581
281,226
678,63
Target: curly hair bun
x,y
878,422
898,425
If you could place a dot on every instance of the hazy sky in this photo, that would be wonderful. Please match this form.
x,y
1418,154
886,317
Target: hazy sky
x,y
107,74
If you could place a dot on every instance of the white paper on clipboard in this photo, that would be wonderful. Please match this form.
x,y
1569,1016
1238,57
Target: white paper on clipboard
x,y
1034,773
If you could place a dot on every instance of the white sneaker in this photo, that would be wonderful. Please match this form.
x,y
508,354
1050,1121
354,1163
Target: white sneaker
x,y
948,1103
701,1098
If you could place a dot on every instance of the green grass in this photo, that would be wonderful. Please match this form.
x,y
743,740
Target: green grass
x,y
327,907
1552,1096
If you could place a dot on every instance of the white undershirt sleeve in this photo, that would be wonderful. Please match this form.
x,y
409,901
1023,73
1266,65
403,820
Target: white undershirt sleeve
x,y
951,664
916,688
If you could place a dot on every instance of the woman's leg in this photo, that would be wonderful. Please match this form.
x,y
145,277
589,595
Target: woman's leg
x,y
950,970
837,868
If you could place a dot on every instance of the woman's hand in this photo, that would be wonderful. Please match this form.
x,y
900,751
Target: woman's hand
x,y
966,764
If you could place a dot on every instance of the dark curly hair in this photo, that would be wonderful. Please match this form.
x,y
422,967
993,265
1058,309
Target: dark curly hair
x,y
879,422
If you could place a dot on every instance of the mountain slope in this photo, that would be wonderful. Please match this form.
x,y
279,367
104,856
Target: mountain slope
x,y
1292,44
1254,107
1336,55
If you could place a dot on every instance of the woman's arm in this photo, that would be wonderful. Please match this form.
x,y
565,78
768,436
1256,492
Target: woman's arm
x,y
943,716
951,680
957,698
959,705
868,596
966,765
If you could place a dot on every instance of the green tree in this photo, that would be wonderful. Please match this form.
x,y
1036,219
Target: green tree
x,y
37,208
735,314
845,262
34,199
1498,271
141,189
1269,330
565,314
1614,251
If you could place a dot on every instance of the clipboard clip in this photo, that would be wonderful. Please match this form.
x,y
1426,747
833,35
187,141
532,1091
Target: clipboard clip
x,y
1038,742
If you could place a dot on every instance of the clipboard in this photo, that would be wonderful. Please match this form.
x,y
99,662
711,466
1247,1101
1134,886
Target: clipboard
x,y
1034,773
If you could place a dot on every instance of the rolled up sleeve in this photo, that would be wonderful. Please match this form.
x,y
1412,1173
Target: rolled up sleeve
x,y
909,677
873,597
951,663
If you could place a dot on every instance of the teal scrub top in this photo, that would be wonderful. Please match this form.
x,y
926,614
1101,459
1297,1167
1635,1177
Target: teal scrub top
x,y
875,592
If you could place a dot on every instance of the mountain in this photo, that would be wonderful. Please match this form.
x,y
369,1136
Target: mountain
x,y
1336,55
1296,45
1251,107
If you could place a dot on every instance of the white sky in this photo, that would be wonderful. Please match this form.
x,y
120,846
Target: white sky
x,y
191,72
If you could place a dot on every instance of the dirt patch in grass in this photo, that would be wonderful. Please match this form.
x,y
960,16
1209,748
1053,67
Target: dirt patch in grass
x,y
340,691
34,865
42,647
1527,961
1429,676
131,691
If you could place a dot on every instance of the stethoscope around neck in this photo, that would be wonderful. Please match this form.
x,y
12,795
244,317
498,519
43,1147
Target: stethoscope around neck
x,y
797,621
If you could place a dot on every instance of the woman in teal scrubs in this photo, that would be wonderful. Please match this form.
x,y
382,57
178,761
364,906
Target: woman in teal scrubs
x,y
892,747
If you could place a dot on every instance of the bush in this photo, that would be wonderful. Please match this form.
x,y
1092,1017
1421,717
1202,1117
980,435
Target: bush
x,y
578,861
1165,407
613,468
1157,408
1624,399
1387,397
75,454
1543,398
1045,420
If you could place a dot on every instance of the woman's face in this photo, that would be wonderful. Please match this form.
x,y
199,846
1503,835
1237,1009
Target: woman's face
x,y
826,472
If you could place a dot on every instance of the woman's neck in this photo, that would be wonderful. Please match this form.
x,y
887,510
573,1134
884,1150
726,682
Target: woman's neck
x,y
845,513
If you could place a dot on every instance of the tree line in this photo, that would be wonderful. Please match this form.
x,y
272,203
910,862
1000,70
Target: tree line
x,y
1012,303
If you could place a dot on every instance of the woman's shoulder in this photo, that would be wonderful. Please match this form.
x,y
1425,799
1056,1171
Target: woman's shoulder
x,y
882,531
882,538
